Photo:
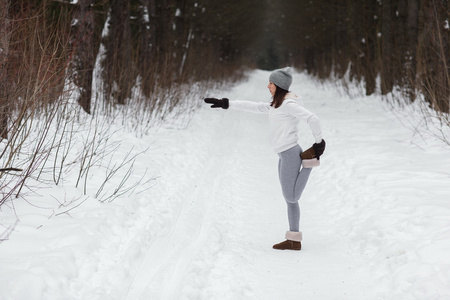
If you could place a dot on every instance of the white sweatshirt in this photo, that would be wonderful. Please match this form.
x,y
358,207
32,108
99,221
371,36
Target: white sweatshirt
x,y
283,121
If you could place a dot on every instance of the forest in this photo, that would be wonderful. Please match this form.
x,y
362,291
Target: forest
x,y
404,43
127,56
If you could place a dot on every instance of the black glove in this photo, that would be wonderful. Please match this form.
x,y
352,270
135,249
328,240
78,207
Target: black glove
x,y
319,148
224,102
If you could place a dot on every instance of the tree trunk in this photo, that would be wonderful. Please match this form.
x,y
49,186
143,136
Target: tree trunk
x,y
84,52
387,48
370,34
118,62
411,54
436,57
145,45
4,52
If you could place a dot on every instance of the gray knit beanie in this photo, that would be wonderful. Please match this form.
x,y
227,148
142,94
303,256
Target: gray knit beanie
x,y
282,78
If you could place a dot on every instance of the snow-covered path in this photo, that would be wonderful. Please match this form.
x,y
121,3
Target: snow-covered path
x,y
375,215
231,212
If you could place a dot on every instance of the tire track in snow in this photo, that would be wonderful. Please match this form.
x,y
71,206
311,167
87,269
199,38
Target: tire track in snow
x,y
203,201
169,260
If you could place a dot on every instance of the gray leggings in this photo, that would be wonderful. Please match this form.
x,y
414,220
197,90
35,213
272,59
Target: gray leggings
x,y
293,182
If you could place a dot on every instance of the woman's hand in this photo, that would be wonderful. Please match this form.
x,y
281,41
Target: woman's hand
x,y
319,148
223,103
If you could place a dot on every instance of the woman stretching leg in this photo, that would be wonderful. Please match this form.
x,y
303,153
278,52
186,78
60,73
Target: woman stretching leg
x,y
285,112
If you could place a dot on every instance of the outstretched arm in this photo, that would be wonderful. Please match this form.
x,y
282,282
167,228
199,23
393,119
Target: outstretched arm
x,y
254,107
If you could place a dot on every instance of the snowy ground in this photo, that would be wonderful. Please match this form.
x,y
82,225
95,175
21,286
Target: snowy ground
x,y
375,216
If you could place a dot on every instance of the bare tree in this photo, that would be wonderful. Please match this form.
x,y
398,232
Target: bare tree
x,y
369,67
83,43
118,64
410,67
436,55
4,52
387,48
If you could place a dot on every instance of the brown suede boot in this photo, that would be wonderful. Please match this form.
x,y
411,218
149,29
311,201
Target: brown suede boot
x,y
288,245
308,154
309,159
293,241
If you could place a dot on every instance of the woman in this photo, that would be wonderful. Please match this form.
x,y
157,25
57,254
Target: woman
x,y
294,166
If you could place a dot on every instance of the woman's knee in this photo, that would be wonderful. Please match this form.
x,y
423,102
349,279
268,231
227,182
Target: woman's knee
x,y
291,200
